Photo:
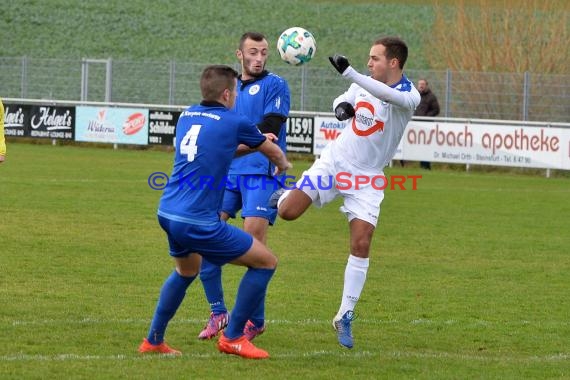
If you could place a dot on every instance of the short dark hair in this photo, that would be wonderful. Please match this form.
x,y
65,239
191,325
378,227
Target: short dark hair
x,y
256,36
395,48
215,79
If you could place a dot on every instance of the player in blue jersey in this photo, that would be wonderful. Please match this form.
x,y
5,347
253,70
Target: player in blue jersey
x,y
378,108
264,98
207,136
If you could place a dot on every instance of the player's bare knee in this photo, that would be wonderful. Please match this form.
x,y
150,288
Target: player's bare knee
x,y
260,234
290,210
187,272
188,266
360,248
295,204
273,262
287,214
268,262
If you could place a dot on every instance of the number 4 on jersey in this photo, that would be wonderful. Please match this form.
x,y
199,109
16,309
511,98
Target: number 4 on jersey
x,y
188,145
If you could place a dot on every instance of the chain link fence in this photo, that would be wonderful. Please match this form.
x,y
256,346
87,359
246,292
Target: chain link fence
x,y
481,95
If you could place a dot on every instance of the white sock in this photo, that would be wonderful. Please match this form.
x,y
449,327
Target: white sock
x,y
354,279
282,197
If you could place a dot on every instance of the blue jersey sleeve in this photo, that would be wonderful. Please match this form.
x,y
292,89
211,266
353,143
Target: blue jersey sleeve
x,y
278,99
249,134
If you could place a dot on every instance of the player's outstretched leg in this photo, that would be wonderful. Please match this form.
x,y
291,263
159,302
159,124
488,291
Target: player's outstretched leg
x,y
171,296
251,292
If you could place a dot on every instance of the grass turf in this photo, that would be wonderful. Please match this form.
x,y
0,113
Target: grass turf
x,y
468,278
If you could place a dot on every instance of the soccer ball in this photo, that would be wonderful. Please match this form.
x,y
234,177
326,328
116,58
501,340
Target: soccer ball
x,y
296,46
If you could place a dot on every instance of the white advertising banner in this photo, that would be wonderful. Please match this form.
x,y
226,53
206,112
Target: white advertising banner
x,y
326,129
112,125
487,144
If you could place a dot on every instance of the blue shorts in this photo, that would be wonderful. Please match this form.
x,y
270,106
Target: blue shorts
x,y
250,194
219,243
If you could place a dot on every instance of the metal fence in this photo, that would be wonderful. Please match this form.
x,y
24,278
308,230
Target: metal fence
x,y
483,95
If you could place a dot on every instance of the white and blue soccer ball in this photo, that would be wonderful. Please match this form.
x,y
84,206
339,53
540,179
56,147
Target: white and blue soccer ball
x,y
296,46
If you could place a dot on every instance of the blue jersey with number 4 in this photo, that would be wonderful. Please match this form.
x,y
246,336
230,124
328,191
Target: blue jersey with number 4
x,y
207,136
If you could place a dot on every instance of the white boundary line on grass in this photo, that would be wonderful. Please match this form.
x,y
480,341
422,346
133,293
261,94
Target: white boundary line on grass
x,y
292,355
298,354
302,322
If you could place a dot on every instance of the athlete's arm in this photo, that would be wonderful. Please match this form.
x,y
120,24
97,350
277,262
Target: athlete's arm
x,y
348,98
243,149
275,155
381,90
271,124
376,88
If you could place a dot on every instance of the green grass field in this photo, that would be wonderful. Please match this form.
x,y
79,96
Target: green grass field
x,y
468,278
204,31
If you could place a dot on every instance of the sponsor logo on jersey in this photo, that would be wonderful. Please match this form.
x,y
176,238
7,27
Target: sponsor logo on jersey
x,y
363,122
254,89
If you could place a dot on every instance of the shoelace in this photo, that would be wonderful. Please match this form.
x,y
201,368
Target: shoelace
x,y
345,324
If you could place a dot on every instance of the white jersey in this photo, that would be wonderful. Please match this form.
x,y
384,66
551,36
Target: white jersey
x,y
382,113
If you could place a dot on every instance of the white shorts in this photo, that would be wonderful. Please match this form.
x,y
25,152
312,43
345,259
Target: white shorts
x,y
362,190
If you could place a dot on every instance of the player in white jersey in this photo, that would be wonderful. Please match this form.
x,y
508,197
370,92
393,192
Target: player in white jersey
x,y
378,108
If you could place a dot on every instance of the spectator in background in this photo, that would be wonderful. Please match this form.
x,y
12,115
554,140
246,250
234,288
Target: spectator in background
x,y
2,141
429,106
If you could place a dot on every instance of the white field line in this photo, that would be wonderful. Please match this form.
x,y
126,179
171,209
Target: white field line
x,y
293,355
302,322
429,355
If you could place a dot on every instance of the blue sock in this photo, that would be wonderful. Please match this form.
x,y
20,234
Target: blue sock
x,y
211,277
251,292
171,296
258,316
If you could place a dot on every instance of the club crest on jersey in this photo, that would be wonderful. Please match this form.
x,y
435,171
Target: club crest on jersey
x,y
363,122
254,89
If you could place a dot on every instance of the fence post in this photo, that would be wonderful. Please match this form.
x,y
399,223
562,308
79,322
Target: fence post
x,y
447,91
303,80
526,95
172,81
24,83
84,79
109,80
548,169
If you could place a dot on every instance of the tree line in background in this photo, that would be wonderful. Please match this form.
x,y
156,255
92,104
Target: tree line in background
x,y
501,36
508,36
